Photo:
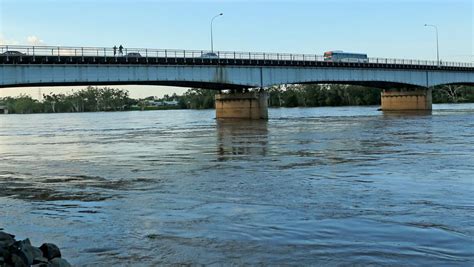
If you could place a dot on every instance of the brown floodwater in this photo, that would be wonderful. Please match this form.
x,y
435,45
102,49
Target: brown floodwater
x,y
328,186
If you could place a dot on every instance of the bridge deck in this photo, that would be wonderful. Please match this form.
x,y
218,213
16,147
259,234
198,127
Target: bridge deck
x,y
143,56
29,59
46,65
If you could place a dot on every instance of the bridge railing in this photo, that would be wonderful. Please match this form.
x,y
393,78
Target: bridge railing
x,y
62,51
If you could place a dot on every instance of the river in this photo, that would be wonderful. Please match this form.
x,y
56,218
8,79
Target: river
x,y
312,186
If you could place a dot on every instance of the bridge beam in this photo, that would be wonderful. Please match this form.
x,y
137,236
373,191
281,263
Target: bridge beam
x,y
247,106
407,99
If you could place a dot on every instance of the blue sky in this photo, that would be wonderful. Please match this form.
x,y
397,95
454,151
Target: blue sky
x,y
380,28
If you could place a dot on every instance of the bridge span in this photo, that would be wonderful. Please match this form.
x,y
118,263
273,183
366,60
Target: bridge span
x,y
406,82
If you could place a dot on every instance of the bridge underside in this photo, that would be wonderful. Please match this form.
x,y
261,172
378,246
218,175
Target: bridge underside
x,y
373,84
221,77
187,84
218,86
210,85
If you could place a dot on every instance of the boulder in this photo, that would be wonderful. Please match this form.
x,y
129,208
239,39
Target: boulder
x,y
38,255
20,253
18,260
6,240
58,262
50,251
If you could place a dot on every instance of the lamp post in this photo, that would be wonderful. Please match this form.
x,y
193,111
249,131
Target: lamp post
x,y
437,41
212,40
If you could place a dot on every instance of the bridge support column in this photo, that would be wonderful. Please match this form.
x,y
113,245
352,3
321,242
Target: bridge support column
x,y
247,106
406,99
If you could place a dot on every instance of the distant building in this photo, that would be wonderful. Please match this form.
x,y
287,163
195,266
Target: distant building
x,y
3,109
171,103
156,103
153,103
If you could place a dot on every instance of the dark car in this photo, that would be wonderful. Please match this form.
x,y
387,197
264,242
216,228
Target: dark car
x,y
134,54
209,55
12,53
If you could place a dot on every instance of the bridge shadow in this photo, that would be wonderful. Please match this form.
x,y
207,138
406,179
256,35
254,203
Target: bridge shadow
x,y
241,139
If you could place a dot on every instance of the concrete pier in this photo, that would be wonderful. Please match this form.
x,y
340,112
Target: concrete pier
x,y
407,99
247,106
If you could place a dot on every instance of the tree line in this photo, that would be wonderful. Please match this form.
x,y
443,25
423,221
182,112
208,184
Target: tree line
x,y
313,95
89,99
453,94
93,99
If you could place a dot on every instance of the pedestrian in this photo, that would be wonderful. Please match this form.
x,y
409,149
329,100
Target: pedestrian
x,y
115,50
121,50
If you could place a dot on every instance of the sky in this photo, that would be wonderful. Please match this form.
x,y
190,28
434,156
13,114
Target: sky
x,y
380,28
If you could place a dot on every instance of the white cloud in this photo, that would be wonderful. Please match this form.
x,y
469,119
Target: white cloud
x,y
34,40
4,41
30,40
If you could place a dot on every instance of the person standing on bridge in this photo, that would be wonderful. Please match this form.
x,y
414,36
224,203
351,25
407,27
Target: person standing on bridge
x,y
121,50
115,50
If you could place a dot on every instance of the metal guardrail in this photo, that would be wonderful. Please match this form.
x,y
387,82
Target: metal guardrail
x,y
60,51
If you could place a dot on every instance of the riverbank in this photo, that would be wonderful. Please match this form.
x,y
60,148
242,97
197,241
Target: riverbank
x,y
94,99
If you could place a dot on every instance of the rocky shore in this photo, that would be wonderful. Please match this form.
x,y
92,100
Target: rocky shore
x,y
22,253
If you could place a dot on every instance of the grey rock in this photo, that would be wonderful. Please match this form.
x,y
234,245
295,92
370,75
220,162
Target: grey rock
x,y
40,260
3,251
58,262
18,260
25,250
20,253
38,255
5,235
6,240
25,242
5,256
50,251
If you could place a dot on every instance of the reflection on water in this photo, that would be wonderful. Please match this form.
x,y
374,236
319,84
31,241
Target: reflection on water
x,y
320,186
407,113
242,138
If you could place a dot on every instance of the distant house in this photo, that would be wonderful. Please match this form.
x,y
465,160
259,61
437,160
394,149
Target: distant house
x,y
3,109
153,103
156,103
171,103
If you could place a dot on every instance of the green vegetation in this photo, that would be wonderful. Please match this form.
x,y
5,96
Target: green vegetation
x,y
453,94
93,99
197,99
310,95
86,100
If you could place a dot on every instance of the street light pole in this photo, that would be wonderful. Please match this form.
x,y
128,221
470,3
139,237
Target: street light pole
x,y
212,40
437,41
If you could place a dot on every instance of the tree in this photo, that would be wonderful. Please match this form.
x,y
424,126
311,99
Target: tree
x,y
25,104
199,98
275,96
452,92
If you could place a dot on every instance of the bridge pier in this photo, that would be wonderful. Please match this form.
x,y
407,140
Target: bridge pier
x,y
246,106
407,99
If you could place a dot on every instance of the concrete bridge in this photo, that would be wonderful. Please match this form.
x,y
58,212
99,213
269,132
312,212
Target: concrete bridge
x,y
406,83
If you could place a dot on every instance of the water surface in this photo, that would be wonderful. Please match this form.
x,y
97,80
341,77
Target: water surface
x,y
329,186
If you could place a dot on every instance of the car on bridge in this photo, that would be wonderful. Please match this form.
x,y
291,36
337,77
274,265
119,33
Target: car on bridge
x,y
134,54
210,55
12,53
